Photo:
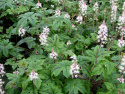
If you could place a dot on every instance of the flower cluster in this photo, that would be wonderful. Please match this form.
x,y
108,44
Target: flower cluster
x,y
123,6
121,67
81,2
121,22
38,5
113,2
1,87
15,1
74,70
83,7
53,55
79,19
43,36
16,72
2,72
67,15
68,43
52,6
90,1
33,75
60,1
73,58
123,31
121,79
113,12
102,34
121,42
73,25
57,12
96,7
21,31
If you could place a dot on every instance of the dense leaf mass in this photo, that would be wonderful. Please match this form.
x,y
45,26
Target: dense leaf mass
x,y
62,46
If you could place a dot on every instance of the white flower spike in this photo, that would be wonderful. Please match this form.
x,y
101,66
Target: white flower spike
x,y
74,70
38,5
16,72
2,72
33,75
57,12
68,43
121,80
67,15
21,31
53,55
121,42
83,8
79,19
102,33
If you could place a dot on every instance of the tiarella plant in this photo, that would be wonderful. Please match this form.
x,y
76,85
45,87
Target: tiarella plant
x,y
62,47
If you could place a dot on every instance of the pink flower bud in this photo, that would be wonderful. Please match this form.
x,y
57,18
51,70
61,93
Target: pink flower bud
x,y
90,1
58,10
75,63
103,22
122,38
79,15
15,72
52,51
33,72
36,53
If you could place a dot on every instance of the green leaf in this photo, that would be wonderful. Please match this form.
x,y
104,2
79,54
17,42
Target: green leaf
x,y
63,66
1,29
116,57
13,77
17,10
59,23
37,83
11,62
27,17
94,36
9,85
25,83
109,86
5,3
35,62
104,67
29,40
5,46
29,90
69,52
97,70
50,89
74,86
23,63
